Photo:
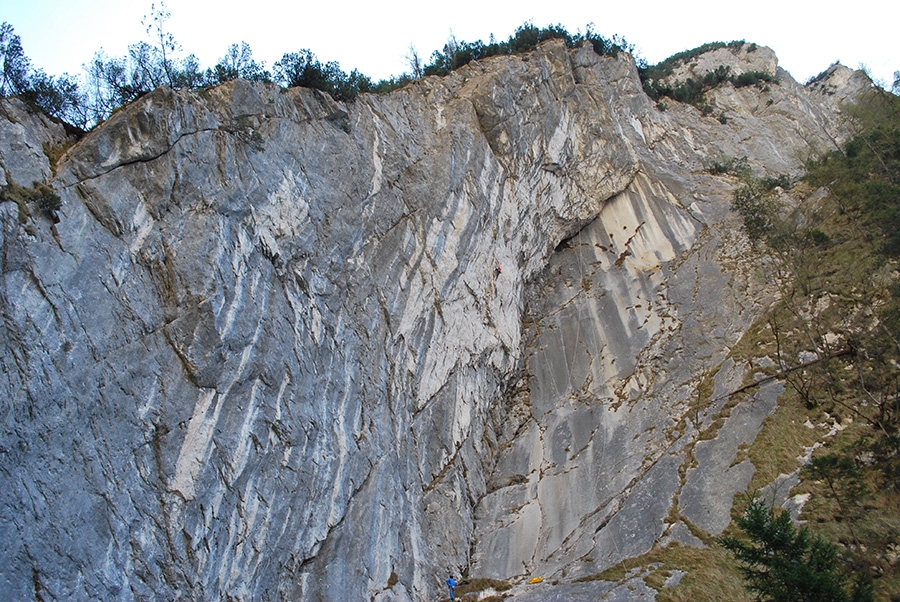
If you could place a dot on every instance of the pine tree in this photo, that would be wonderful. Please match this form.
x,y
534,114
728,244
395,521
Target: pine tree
x,y
783,563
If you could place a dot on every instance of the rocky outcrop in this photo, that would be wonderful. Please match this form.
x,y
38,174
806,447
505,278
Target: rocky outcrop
x,y
602,450
27,139
279,347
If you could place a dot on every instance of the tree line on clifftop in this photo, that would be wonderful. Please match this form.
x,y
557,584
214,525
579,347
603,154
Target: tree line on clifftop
x,y
111,82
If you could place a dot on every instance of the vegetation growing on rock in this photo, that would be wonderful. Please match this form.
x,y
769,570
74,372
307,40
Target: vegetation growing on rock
x,y
829,240
40,194
825,340
658,84
834,338
784,563
115,81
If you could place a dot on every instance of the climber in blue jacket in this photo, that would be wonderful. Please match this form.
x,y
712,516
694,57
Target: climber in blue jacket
x,y
451,583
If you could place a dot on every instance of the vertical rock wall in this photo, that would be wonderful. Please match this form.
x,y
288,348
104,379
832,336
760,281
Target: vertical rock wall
x,y
602,449
260,352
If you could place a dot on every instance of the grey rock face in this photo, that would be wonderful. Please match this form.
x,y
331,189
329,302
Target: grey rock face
x,y
24,136
599,447
709,488
266,353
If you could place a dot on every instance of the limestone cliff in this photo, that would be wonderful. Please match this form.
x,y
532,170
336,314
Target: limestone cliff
x,y
278,347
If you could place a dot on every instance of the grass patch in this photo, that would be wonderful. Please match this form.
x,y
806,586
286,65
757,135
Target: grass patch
x,y
781,441
710,574
467,589
41,194
55,152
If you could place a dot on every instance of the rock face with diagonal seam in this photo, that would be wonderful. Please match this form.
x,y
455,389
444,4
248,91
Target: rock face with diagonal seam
x,y
265,351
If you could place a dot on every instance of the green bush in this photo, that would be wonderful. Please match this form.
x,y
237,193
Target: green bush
x,y
754,78
304,69
865,175
40,193
694,92
838,246
781,563
756,208
821,76
754,199
527,36
818,238
237,63
729,165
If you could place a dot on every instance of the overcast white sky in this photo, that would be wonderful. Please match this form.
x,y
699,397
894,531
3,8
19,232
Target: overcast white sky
x,y
374,37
